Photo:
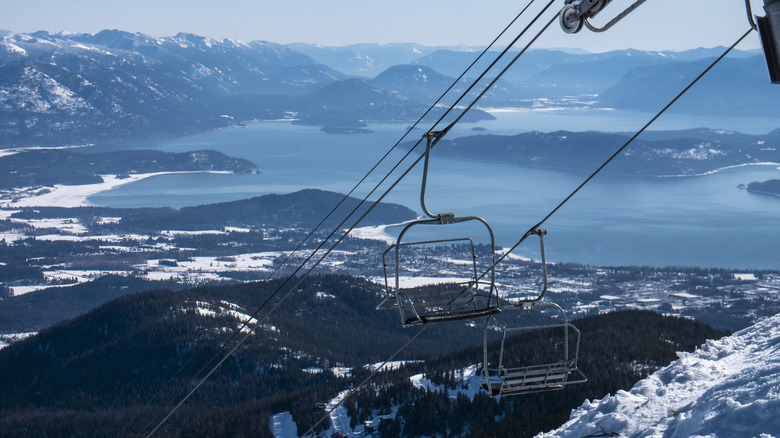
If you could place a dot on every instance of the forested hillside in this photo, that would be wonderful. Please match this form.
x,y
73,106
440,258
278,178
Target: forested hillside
x,y
94,375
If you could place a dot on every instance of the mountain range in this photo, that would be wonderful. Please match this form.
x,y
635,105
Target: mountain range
x,y
65,89
100,372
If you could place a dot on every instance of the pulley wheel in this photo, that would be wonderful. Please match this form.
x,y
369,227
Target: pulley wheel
x,y
570,20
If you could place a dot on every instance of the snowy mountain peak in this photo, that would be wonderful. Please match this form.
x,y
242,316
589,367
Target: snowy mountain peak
x,y
727,388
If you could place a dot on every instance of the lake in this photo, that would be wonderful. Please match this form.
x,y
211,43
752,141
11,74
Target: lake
x,y
699,221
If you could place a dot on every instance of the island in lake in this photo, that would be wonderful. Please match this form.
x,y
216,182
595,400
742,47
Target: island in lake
x,y
771,187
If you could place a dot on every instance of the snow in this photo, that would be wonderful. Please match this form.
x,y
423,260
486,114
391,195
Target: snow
x,y
341,371
745,277
107,220
66,225
8,339
468,383
390,366
411,282
13,48
378,232
684,295
237,230
283,426
65,278
21,290
339,419
173,233
610,297
727,388
10,237
73,196
325,296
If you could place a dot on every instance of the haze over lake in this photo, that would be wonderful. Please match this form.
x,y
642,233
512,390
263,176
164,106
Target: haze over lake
x,y
698,221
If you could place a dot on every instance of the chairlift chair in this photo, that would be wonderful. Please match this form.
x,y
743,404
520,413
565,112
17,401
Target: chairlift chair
x,y
445,301
507,376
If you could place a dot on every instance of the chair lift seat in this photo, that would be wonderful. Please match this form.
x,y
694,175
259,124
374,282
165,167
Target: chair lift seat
x,y
534,378
438,303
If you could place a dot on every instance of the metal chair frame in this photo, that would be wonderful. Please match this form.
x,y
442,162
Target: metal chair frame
x,y
502,380
505,381
437,303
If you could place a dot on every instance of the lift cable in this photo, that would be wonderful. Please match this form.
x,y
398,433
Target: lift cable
x,y
367,379
252,317
403,137
399,180
555,210
620,150
358,184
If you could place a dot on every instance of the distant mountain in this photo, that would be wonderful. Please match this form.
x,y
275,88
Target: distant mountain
x,y
227,65
354,102
301,79
70,89
365,60
60,89
684,153
423,84
591,73
628,79
737,86
416,82
453,63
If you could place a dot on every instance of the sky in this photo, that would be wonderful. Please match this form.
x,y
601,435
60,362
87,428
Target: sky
x,y
656,25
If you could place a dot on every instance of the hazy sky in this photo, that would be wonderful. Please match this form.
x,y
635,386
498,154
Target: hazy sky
x,y
656,25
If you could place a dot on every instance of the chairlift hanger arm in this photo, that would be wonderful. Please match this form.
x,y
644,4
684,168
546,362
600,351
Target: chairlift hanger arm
x,y
576,13
432,138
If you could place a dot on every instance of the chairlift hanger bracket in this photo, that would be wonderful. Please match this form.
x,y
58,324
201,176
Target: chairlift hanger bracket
x,y
577,13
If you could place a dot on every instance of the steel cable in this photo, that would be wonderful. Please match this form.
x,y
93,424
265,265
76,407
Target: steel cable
x,y
530,231
302,265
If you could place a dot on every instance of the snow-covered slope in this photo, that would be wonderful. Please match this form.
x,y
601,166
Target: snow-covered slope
x,y
727,388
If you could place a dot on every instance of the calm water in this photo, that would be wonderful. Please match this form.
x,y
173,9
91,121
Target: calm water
x,y
700,221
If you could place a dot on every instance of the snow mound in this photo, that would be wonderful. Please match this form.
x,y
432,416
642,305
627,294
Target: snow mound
x,y
726,388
